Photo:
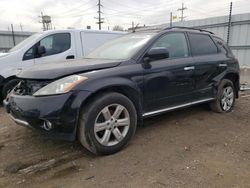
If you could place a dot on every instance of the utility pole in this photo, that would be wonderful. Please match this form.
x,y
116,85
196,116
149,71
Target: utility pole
x,y
171,19
21,27
182,11
133,26
44,28
229,23
13,35
100,19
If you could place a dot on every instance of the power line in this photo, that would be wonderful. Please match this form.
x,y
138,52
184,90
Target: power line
x,y
88,14
77,13
72,9
136,10
162,5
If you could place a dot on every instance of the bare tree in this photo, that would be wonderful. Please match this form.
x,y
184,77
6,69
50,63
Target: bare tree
x,y
118,28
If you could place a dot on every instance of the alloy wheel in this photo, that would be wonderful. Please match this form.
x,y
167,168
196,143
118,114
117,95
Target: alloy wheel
x,y
112,125
227,99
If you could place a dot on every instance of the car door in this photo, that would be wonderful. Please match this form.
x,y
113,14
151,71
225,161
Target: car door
x,y
58,47
208,63
169,82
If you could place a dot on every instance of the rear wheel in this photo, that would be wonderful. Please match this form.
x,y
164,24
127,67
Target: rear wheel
x,y
107,124
225,97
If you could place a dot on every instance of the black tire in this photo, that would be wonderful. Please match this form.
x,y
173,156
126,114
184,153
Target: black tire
x,y
217,104
8,87
92,111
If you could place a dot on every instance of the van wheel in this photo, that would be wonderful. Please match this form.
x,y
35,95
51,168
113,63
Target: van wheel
x,y
107,124
9,86
225,99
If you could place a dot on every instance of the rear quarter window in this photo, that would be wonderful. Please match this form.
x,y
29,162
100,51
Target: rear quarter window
x,y
223,47
202,44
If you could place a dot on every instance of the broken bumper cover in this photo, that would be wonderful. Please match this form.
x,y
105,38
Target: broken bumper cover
x,y
55,116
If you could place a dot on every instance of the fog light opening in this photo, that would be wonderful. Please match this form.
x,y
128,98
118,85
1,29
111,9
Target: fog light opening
x,y
47,125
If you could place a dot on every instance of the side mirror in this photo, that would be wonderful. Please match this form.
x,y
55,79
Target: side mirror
x,y
157,53
41,50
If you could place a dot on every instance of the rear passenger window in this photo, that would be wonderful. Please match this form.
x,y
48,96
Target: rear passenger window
x,y
202,44
175,43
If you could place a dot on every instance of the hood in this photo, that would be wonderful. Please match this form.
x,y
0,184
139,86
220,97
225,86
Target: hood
x,y
50,71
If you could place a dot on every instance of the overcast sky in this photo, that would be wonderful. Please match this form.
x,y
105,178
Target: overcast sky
x,y
80,13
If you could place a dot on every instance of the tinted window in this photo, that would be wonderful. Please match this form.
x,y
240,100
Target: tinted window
x,y
175,43
202,44
222,45
56,43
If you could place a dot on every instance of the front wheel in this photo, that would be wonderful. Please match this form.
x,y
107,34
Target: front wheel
x,y
225,97
107,123
8,87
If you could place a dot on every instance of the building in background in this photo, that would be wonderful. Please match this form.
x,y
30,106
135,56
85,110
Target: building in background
x,y
239,35
7,39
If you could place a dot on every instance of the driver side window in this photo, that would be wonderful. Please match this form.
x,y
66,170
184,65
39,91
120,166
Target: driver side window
x,y
56,43
47,42
175,43
53,44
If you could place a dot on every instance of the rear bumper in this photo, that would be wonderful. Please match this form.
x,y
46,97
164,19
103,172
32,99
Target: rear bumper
x,y
61,111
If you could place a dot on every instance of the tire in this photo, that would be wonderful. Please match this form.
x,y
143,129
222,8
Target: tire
x,y
99,120
8,87
225,98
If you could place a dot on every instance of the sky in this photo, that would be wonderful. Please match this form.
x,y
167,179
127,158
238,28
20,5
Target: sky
x,y
80,13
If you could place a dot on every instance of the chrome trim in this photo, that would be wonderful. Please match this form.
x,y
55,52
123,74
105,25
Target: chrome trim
x,y
20,122
189,68
176,107
222,65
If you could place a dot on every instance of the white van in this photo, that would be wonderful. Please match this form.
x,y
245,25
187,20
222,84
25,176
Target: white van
x,y
49,46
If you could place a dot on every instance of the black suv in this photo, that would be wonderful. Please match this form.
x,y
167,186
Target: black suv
x,y
101,98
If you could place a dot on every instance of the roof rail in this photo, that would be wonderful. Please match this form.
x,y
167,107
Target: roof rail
x,y
147,29
190,28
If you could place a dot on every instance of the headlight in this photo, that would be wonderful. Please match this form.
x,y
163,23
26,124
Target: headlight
x,y
60,86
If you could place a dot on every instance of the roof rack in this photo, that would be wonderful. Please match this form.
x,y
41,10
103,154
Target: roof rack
x,y
189,28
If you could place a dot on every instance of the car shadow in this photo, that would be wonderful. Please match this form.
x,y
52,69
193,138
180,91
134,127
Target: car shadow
x,y
64,152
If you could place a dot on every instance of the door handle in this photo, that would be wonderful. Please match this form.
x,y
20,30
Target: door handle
x,y
70,57
189,68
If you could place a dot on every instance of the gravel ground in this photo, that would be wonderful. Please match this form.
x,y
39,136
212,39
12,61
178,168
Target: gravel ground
x,y
193,147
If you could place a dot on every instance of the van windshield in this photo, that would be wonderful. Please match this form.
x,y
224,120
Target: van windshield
x,y
121,48
24,42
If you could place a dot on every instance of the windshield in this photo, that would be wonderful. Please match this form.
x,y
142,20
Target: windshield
x,y
121,48
24,42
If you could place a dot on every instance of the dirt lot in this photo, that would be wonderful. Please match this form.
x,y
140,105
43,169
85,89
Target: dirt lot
x,y
188,148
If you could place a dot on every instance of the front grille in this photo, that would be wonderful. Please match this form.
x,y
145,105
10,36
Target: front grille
x,y
29,87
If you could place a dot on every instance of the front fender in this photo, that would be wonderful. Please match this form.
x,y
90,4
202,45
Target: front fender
x,y
119,84
13,71
103,83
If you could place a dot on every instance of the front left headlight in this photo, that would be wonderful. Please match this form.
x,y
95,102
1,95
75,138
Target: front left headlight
x,y
60,86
